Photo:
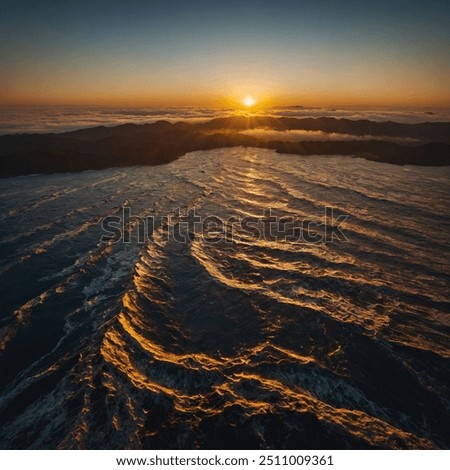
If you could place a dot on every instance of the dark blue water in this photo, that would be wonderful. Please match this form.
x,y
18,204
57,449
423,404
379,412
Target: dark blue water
x,y
241,342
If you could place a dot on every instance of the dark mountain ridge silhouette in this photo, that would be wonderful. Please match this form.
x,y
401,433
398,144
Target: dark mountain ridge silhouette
x,y
162,142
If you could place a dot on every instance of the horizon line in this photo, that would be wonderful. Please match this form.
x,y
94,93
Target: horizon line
x,y
221,107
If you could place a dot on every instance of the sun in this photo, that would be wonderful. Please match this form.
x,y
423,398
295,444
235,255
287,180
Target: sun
x,y
249,101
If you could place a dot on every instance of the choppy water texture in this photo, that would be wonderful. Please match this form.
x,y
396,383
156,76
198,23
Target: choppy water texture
x,y
250,344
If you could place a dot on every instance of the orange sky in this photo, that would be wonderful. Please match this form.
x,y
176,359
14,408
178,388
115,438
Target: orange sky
x,y
204,55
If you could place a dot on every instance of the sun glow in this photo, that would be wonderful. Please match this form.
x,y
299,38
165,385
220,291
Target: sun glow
x,y
249,101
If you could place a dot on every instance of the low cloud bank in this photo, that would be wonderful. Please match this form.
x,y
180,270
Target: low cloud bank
x,y
61,119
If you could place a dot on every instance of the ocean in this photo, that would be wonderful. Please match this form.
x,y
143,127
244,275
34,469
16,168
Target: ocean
x,y
225,336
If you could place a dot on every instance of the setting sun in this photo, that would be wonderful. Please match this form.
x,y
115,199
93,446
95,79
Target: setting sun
x,y
249,101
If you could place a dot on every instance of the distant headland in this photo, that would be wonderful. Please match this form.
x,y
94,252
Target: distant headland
x,y
425,144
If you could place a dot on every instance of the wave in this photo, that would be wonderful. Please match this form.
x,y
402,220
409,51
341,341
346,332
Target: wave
x,y
237,342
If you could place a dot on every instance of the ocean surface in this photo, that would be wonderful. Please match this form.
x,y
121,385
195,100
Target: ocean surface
x,y
249,340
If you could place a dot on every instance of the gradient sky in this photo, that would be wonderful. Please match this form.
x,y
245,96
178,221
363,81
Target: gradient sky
x,y
214,53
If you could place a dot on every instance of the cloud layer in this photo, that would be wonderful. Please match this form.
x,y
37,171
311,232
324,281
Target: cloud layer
x,y
60,119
